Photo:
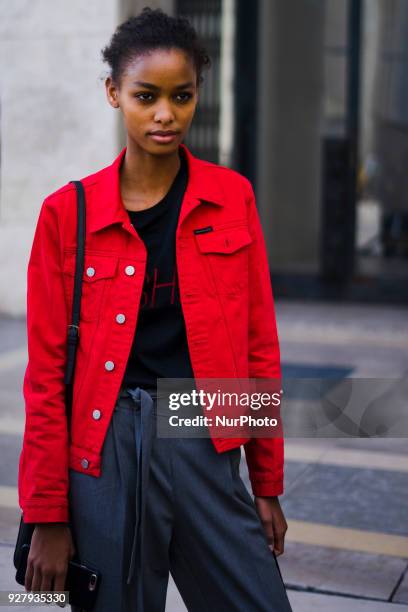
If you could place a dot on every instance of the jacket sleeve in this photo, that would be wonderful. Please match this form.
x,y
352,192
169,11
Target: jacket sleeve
x,y
43,466
265,456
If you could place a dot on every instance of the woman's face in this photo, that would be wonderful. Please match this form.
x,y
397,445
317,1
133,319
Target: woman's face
x,y
157,93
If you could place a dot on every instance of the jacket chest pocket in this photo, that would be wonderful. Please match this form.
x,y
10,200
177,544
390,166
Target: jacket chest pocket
x,y
99,271
225,258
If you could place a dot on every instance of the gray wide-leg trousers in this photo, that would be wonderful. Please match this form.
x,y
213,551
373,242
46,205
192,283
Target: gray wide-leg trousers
x,y
170,504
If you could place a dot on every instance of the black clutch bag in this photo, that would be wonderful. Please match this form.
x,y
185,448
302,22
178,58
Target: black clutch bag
x,y
82,581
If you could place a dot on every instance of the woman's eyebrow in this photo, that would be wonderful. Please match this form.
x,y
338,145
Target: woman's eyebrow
x,y
146,85
185,85
156,88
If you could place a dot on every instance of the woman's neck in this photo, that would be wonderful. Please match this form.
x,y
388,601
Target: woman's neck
x,y
144,178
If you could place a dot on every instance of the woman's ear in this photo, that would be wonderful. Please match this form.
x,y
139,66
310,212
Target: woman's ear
x,y
111,92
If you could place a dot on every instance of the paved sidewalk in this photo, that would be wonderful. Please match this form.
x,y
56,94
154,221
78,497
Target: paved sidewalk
x,y
301,601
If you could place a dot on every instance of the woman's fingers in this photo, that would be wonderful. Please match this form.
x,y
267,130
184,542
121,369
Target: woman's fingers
x,y
37,577
269,532
46,579
36,580
29,576
60,579
273,522
279,544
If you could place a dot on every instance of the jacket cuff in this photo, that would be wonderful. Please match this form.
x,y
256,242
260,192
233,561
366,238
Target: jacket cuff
x,y
35,513
267,489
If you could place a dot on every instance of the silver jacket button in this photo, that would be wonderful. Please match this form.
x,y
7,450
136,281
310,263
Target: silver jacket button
x,y
84,463
120,318
109,365
90,271
129,270
96,415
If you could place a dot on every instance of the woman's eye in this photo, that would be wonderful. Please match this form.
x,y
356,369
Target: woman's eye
x,y
183,97
144,97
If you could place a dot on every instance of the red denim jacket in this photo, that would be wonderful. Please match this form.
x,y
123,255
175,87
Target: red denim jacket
x,y
226,298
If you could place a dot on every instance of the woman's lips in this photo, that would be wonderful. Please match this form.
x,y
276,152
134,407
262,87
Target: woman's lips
x,y
163,139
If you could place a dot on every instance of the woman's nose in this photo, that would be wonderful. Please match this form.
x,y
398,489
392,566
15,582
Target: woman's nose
x,y
164,114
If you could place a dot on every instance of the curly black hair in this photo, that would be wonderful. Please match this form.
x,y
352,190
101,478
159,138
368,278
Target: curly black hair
x,y
153,29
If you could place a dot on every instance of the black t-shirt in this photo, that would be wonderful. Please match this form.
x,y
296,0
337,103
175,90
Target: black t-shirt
x,y
160,347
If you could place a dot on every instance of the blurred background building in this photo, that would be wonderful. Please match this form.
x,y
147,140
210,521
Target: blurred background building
x,y
308,99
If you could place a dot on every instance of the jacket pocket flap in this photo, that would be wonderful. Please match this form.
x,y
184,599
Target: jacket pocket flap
x,y
226,242
96,267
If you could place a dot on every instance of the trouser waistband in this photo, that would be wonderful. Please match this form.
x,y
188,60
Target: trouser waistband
x,y
154,393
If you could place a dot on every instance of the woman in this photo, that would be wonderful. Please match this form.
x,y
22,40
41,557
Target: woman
x,y
176,285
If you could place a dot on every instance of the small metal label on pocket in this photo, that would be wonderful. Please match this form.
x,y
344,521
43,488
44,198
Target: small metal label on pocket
x,y
203,230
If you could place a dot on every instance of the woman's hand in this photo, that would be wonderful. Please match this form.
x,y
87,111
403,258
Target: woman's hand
x,y
51,549
273,521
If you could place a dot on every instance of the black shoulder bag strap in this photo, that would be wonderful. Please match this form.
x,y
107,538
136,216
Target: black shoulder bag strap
x,y
73,328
